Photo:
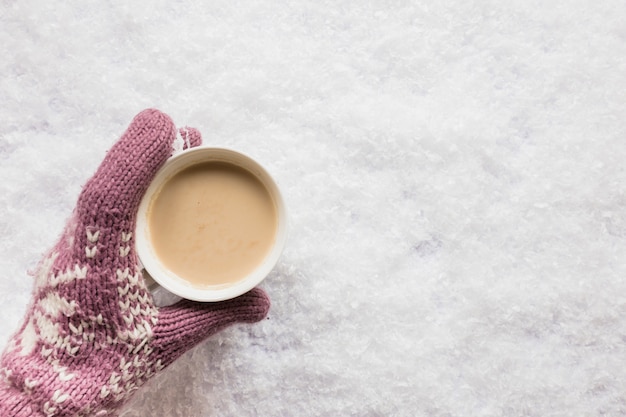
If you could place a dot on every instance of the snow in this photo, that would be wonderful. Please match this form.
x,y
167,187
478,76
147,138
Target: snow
x,y
453,172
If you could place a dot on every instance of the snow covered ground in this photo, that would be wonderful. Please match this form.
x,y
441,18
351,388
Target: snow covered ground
x,y
454,172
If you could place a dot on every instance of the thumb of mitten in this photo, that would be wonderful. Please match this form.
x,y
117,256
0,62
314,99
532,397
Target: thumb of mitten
x,y
186,323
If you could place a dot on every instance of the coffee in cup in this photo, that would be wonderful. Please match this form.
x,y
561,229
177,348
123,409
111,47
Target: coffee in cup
x,y
211,225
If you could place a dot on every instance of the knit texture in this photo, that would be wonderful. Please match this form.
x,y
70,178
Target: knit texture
x,y
92,334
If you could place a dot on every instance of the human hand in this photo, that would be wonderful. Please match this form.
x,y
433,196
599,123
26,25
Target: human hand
x,y
92,334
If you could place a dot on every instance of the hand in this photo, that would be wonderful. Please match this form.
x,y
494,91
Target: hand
x,y
92,334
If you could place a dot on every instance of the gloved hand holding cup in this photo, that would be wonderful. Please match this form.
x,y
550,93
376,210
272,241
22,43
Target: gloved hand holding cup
x,y
92,334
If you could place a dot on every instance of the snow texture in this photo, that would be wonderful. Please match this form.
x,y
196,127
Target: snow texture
x,y
454,172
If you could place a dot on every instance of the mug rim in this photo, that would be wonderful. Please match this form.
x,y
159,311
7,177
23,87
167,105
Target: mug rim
x,y
167,278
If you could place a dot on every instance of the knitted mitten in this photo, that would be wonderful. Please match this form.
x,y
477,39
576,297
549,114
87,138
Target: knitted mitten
x,y
92,334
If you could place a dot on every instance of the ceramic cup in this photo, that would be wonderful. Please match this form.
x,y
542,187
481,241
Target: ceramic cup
x,y
179,285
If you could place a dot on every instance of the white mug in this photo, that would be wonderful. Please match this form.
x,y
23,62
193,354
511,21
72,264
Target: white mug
x,y
163,275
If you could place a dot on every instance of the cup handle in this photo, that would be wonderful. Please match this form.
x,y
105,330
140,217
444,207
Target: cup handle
x,y
151,284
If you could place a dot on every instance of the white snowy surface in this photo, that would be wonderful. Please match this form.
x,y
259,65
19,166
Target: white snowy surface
x,y
454,172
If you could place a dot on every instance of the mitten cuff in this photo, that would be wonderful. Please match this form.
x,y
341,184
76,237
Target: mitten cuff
x,y
15,403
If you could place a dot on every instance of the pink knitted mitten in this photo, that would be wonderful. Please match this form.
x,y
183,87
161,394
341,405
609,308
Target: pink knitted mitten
x,y
92,335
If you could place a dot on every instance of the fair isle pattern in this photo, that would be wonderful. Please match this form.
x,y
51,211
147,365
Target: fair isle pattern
x,y
92,335
45,332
